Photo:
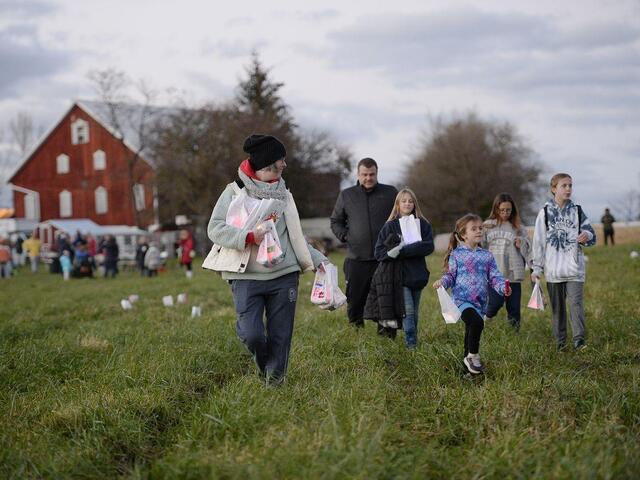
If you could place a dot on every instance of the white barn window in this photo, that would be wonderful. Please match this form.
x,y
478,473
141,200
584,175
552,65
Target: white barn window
x,y
31,206
138,196
101,200
79,132
62,163
99,160
66,208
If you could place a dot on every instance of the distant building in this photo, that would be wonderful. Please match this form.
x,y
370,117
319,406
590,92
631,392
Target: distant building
x,y
80,170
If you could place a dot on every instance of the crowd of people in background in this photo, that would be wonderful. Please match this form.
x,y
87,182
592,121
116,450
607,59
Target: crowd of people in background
x,y
86,256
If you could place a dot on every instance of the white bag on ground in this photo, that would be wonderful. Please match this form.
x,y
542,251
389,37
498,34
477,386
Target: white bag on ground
x,y
167,301
536,301
410,228
450,311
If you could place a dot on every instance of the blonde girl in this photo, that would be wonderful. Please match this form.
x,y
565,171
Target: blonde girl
x,y
394,299
471,271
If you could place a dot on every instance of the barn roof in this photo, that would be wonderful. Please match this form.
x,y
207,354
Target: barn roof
x,y
125,123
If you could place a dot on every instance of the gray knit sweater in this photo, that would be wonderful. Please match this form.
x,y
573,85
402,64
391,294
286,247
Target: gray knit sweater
x,y
499,239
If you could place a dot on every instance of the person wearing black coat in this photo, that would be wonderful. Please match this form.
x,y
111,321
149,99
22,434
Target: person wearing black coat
x,y
409,270
359,214
111,255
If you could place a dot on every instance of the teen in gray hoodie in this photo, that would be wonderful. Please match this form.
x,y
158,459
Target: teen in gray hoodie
x,y
562,230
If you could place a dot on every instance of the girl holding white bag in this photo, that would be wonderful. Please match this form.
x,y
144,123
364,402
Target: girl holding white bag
x,y
470,271
406,238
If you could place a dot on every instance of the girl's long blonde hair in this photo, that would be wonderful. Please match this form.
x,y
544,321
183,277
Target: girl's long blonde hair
x,y
395,212
514,218
456,235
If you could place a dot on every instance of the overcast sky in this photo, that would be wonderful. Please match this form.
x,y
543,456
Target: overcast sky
x,y
565,73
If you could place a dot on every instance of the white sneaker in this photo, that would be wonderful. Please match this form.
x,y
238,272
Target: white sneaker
x,y
473,364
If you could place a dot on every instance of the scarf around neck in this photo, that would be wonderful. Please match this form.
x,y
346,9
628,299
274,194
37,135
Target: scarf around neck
x,y
256,188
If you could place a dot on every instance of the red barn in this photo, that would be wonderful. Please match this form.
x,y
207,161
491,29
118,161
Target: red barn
x,y
80,170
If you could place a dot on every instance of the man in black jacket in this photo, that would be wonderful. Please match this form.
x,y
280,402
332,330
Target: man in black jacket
x,y
359,214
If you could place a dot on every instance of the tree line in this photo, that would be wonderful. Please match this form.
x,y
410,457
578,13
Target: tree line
x,y
460,164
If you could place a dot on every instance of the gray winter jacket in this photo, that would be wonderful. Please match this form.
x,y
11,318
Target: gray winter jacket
x,y
358,217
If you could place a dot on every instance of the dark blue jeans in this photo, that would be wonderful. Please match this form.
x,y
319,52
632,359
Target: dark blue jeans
x,y
410,321
269,344
496,301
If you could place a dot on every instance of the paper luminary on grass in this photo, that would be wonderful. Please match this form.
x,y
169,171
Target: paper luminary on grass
x,y
181,298
167,301
126,304
196,311
133,298
536,302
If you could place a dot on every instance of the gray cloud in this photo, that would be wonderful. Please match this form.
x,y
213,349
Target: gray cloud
x,y
23,57
25,8
524,57
231,49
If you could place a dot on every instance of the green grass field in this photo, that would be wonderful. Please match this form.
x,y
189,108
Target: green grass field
x,y
89,390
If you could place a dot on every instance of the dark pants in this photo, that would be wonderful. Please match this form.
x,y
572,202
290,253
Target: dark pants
x,y
358,275
277,298
609,234
110,268
496,301
474,324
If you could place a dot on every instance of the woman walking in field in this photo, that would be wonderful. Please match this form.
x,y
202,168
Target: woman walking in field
x,y
506,238
471,272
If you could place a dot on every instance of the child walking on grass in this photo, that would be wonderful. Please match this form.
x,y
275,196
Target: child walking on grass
x,y
561,230
471,272
407,250
506,238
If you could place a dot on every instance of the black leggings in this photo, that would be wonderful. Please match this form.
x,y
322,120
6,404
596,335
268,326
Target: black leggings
x,y
472,330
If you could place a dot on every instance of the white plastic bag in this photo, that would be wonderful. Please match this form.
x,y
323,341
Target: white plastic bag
x,y
410,227
335,297
319,291
240,208
326,291
450,312
536,301
269,252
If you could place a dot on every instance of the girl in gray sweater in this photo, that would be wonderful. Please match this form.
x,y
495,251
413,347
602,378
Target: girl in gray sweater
x,y
506,238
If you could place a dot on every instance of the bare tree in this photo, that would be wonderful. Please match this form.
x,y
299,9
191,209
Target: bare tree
x,y
23,132
131,119
629,205
463,163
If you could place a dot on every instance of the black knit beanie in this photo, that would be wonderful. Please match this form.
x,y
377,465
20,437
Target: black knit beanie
x,y
263,150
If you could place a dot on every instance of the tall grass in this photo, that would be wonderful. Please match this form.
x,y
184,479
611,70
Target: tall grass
x,y
92,391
